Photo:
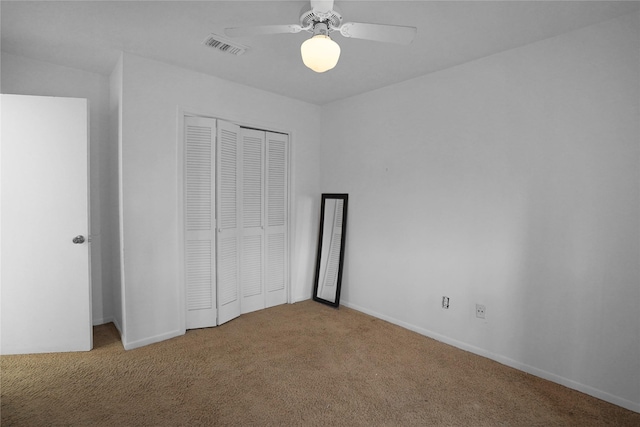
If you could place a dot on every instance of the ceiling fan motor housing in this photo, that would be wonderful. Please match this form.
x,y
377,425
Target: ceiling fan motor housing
x,y
310,19
320,28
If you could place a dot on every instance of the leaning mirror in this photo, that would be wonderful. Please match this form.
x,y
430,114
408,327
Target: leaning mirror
x,y
333,230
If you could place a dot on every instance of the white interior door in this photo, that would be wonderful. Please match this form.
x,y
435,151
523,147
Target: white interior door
x,y
252,220
228,160
45,278
277,208
236,262
200,222
264,243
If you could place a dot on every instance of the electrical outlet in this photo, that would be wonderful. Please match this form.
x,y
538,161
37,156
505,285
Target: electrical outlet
x,y
480,311
445,302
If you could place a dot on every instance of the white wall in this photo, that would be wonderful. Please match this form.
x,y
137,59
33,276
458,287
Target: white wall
x,y
113,200
153,93
511,181
25,76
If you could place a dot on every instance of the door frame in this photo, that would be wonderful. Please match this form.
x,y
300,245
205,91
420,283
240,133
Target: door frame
x,y
183,112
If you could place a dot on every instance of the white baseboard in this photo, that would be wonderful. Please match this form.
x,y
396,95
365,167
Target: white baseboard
x,y
102,321
607,397
151,340
300,298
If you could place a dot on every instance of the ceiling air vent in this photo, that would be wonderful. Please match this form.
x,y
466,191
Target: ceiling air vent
x,y
224,45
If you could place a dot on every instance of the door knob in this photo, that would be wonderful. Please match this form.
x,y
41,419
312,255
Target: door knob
x,y
78,239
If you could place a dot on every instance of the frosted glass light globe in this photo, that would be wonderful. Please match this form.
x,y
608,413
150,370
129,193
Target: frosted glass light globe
x,y
320,53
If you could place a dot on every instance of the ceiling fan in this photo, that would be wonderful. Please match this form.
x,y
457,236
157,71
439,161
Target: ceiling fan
x,y
320,53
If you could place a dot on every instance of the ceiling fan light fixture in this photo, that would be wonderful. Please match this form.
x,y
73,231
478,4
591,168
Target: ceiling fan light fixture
x,y
320,53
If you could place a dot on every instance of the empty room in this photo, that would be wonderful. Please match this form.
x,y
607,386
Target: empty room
x,y
320,213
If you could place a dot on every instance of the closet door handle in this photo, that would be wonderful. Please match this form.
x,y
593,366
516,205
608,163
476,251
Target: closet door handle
x,y
78,239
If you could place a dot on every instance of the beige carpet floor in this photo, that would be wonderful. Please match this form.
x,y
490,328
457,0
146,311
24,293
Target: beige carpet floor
x,y
301,364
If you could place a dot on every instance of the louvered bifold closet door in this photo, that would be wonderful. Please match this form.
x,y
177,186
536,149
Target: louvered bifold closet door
x,y
277,208
252,221
228,256
199,205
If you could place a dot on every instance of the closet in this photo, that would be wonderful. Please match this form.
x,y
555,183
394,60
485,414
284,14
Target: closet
x,y
235,220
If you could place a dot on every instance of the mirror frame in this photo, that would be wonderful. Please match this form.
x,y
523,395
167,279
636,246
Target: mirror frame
x,y
345,198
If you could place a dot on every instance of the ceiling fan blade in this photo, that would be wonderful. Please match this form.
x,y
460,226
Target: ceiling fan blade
x,y
379,32
322,6
262,30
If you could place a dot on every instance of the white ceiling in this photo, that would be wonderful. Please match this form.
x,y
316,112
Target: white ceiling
x,y
90,34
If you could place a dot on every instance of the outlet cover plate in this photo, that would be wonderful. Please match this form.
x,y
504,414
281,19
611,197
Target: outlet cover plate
x,y
480,311
445,302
